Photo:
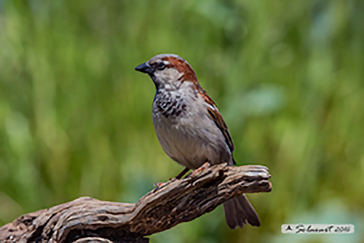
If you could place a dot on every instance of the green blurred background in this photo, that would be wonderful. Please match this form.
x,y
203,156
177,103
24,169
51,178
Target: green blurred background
x,y
75,118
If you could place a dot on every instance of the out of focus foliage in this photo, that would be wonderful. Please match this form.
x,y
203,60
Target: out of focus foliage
x,y
288,76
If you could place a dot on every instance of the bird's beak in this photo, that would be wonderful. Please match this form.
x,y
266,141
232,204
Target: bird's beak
x,y
144,68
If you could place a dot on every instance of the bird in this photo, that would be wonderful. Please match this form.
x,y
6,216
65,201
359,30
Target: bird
x,y
190,128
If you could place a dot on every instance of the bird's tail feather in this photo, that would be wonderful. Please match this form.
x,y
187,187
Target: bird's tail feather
x,y
239,211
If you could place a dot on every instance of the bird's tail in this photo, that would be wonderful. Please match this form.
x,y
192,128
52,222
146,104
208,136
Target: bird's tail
x,y
239,211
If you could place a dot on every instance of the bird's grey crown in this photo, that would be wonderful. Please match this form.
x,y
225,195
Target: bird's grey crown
x,y
160,56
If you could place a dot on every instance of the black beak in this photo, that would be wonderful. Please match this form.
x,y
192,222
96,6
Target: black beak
x,y
144,68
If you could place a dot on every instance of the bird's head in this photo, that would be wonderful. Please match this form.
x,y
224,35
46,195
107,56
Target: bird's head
x,y
168,71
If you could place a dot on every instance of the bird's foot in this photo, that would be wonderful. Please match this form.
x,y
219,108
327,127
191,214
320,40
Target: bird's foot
x,y
160,184
198,170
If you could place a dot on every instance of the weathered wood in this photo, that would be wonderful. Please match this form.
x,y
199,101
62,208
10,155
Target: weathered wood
x,y
90,220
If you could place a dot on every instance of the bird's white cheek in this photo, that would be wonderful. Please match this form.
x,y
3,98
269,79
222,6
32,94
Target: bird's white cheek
x,y
172,73
168,77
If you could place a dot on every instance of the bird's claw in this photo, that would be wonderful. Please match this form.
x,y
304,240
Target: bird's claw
x,y
198,170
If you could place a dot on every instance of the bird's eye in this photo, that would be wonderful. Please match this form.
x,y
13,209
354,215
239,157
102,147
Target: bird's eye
x,y
161,66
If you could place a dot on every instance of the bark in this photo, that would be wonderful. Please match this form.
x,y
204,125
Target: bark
x,y
90,220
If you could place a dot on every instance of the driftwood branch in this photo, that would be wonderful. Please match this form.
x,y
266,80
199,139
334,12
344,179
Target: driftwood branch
x,y
90,220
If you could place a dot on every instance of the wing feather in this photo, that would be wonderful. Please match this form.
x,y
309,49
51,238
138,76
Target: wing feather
x,y
217,118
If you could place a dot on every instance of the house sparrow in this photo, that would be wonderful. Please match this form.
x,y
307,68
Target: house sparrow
x,y
190,128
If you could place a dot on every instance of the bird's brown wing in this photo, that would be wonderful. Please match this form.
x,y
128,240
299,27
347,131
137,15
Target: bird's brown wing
x,y
217,118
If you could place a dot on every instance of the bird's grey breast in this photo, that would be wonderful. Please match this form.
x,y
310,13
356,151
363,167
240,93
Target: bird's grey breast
x,y
185,131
